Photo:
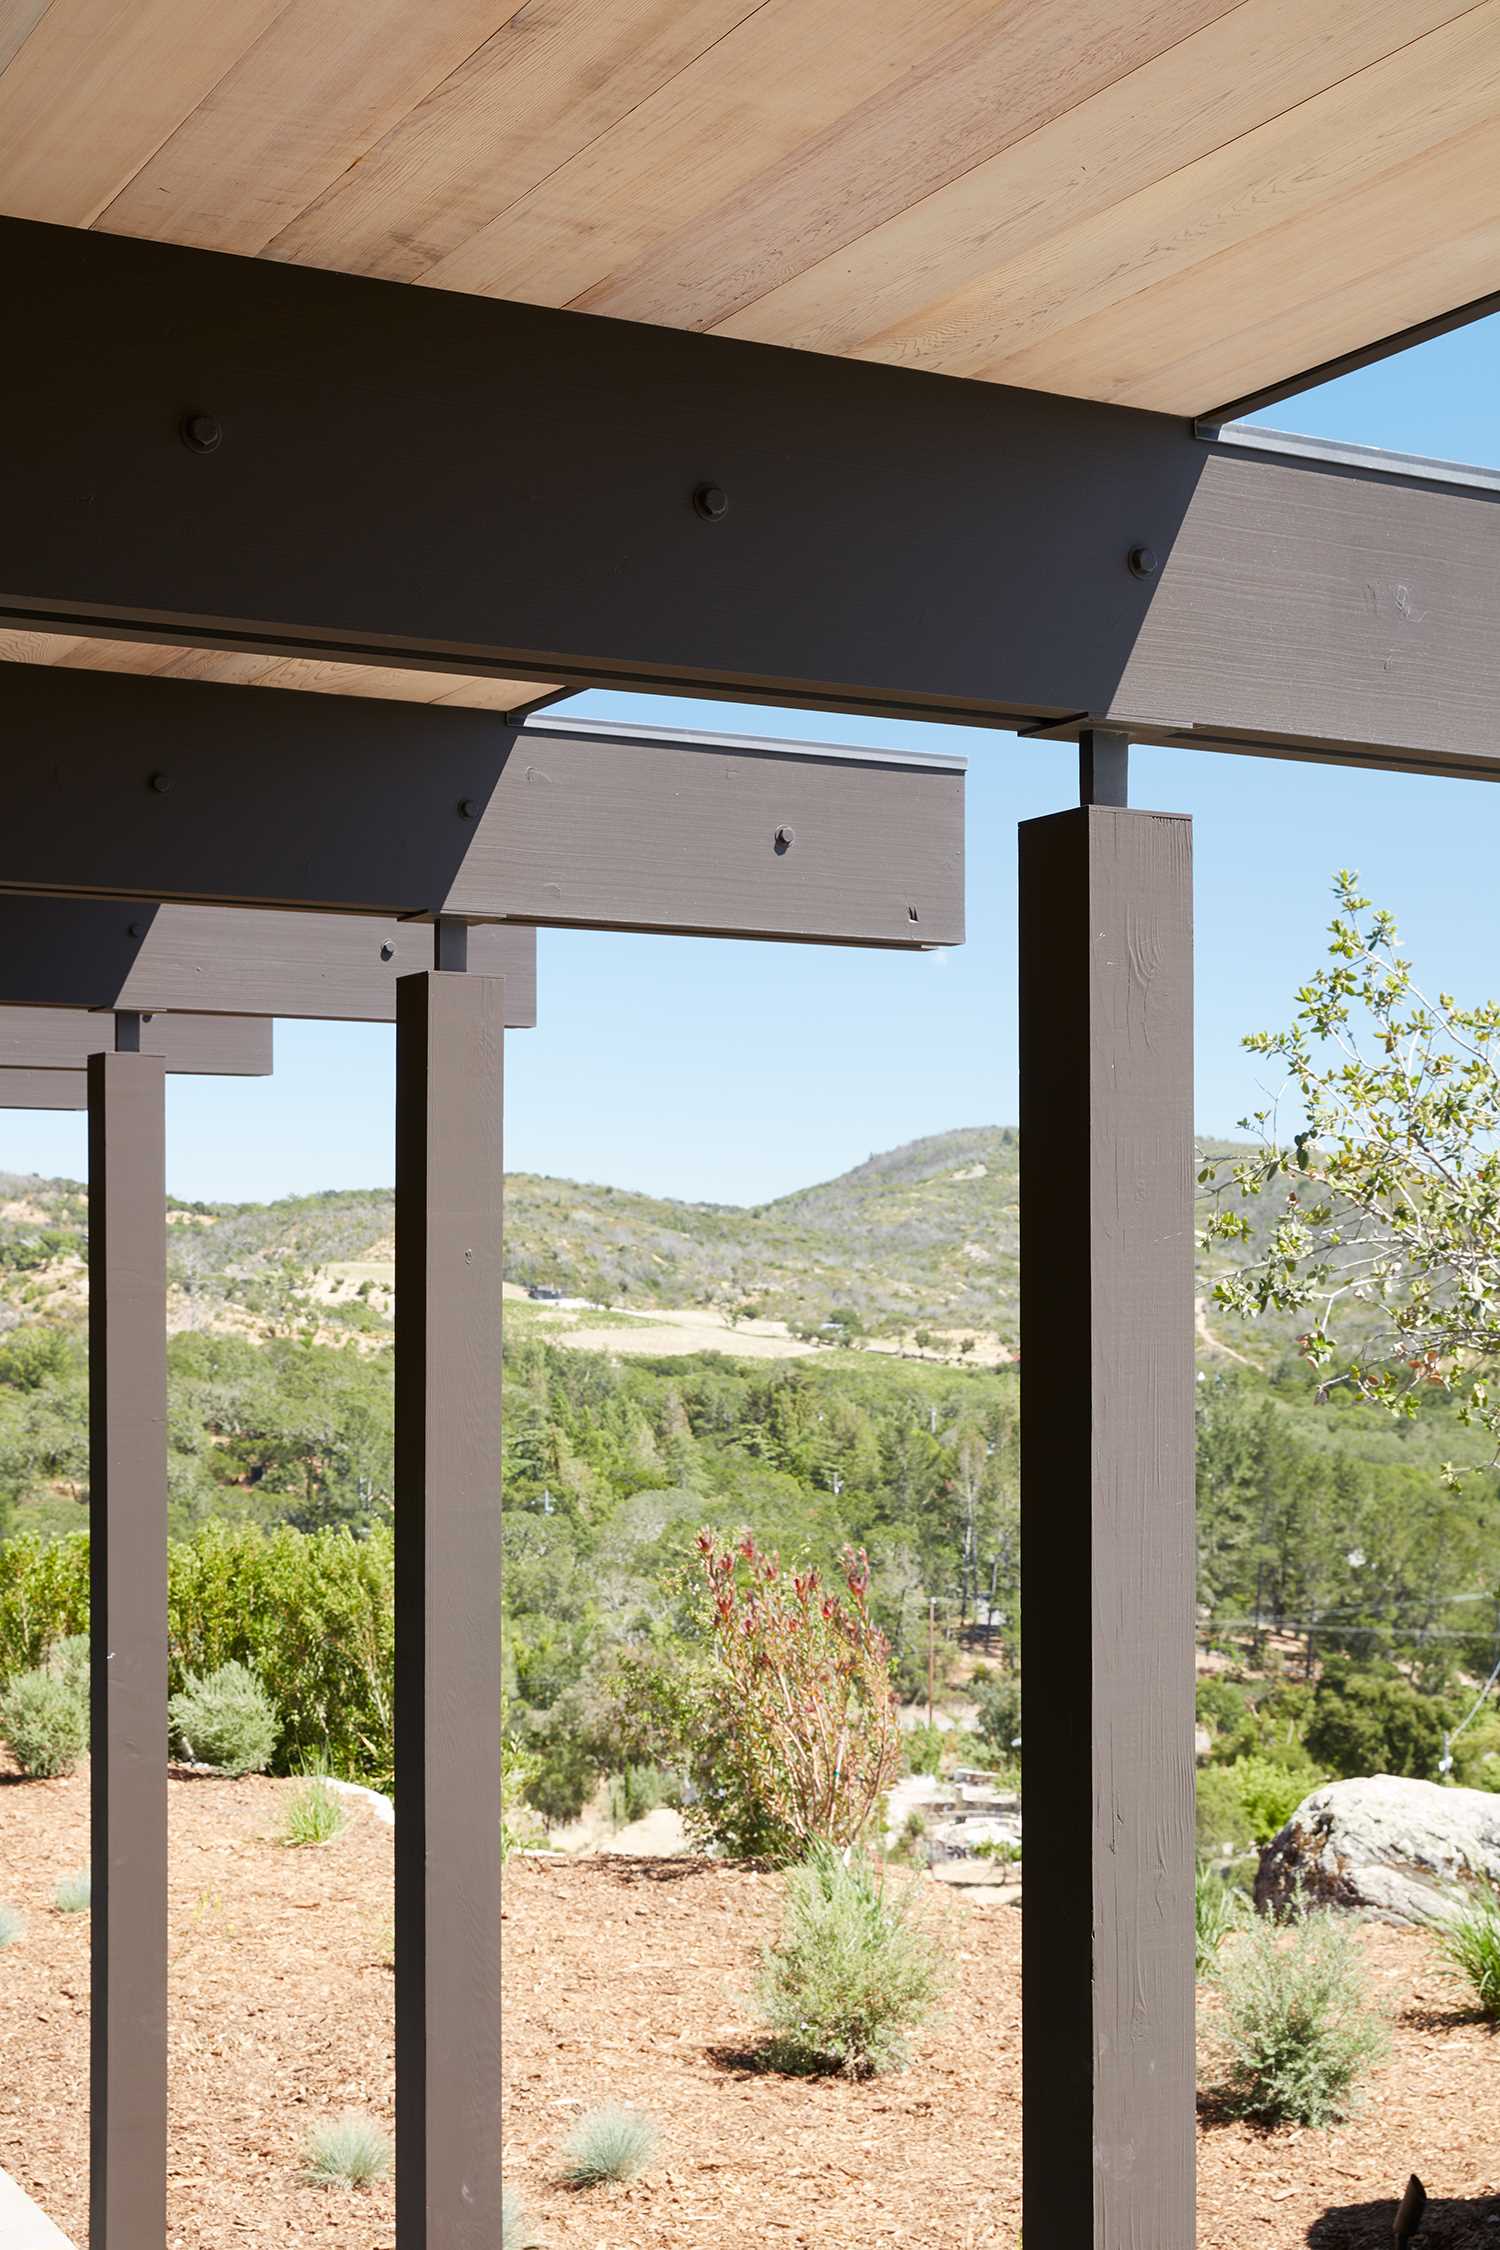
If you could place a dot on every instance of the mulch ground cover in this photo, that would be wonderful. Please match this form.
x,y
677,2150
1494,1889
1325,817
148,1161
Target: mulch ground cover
x,y
627,1981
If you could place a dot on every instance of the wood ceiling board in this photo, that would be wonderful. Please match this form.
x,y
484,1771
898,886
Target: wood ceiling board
x,y
782,76
916,290
571,71
975,186
95,88
1310,160
320,87
1371,256
237,668
1025,64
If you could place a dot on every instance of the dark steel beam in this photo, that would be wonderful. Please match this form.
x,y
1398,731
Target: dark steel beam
x,y
128,1651
176,789
199,1046
449,1051
43,1089
417,477
114,953
1107,1527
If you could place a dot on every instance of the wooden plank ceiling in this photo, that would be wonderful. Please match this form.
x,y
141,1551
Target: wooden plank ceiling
x,y
1164,203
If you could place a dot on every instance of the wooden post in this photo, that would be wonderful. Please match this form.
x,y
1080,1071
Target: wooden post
x,y
449,1047
128,1646
1107,1528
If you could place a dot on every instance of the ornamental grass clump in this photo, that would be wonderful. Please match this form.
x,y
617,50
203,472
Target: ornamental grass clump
x,y
516,2229
225,1719
75,1893
349,2152
856,1969
608,2144
45,1720
1295,2030
12,1926
1470,1943
315,1814
786,1722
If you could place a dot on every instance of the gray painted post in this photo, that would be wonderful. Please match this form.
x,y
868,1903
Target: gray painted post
x,y
128,1648
1107,1527
449,1051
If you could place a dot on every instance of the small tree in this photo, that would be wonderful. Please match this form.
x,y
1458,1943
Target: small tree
x,y
1390,1227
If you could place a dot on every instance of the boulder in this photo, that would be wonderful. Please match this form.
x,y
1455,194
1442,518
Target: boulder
x,y
1399,1848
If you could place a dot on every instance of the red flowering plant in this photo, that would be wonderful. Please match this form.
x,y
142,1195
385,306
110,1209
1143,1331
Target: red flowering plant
x,y
790,1736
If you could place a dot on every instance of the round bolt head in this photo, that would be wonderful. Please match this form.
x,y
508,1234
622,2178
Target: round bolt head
x,y
1143,562
785,838
161,783
202,433
467,809
711,502
137,929
387,953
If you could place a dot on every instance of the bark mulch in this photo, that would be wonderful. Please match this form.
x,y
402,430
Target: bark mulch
x,y
626,1981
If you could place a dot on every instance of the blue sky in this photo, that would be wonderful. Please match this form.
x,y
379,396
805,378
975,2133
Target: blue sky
x,y
736,1072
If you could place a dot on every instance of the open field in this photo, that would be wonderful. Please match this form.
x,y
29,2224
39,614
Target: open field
x,y
626,1981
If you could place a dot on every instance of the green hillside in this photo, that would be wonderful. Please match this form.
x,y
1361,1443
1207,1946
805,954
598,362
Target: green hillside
x,y
922,1234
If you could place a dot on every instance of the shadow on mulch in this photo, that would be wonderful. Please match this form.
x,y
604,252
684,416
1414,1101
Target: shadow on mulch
x,y
646,1870
1471,2223
1449,2015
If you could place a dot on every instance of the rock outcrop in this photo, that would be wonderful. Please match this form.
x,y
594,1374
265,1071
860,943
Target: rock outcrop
x,y
1399,1848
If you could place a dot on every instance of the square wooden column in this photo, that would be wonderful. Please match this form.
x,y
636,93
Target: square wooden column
x,y
1107,1528
128,1650
449,1049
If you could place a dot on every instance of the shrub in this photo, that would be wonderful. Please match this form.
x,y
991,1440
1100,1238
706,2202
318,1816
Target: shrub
x,y
999,1702
46,1723
310,1612
1271,1792
924,1746
68,1661
1363,1724
225,1719
855,1970
12,1926
1470,1942
75,1893
350,2152
1295,2031
1219,1907
608,2144
787,1723
315,1814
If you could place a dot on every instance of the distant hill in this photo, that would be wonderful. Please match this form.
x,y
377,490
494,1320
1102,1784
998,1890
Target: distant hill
x,y
923,1234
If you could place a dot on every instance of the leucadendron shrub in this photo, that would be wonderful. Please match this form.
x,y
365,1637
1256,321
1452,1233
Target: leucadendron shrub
x,y
782,1714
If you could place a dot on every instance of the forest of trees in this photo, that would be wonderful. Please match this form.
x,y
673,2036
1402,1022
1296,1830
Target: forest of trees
x,y
1324,1531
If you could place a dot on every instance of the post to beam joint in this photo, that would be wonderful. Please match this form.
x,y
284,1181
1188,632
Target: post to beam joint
x,y
1103,767
127,1645
449,1046
1107,1527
